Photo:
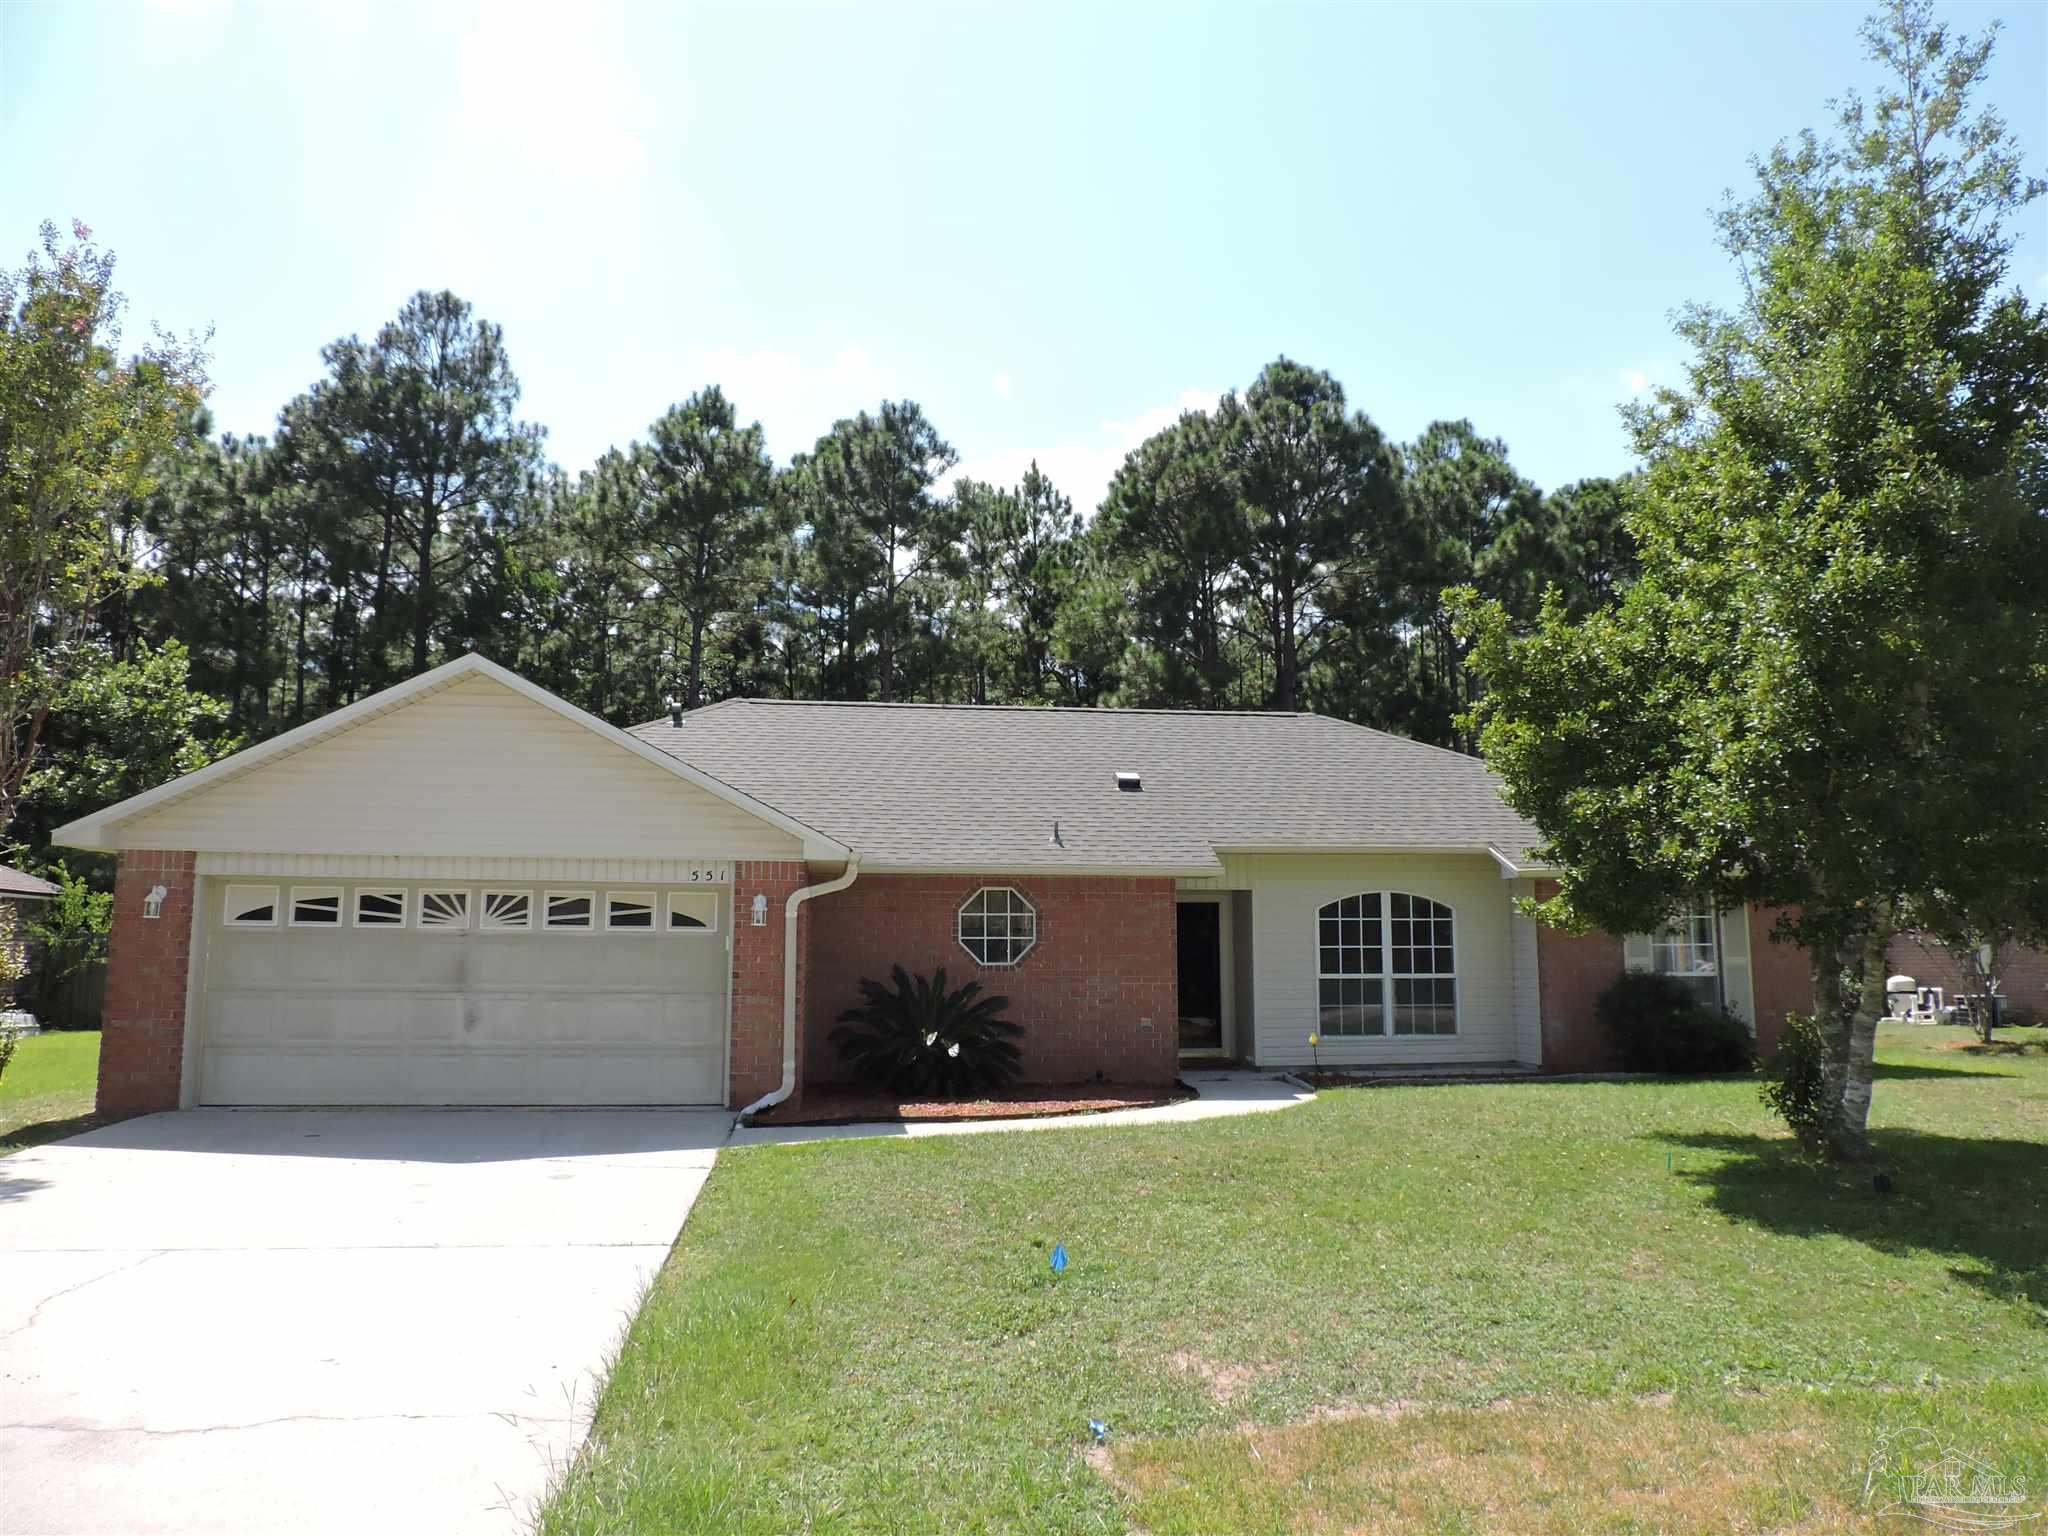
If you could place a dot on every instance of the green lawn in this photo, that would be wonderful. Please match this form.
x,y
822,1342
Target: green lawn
x,y
1526,1307
46,1091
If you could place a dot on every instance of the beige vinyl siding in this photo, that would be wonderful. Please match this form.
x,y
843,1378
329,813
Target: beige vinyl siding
x,y
1527,979
1286,892
471,769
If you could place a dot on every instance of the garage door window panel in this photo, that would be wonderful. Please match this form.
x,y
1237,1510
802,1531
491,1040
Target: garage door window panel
x,y
629,911
316,906
570,911
692,912
505,912
250,906
444,909
380,906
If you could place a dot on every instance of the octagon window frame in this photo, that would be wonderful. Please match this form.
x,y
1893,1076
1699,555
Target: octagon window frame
x,y
1019,928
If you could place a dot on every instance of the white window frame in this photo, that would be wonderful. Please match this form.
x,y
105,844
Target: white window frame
x,y
647,899
251,896
378,925
1676,937
1395,978
549,925
1386,975
301,893
484,922
710,897
419,909
1379,975
1009,936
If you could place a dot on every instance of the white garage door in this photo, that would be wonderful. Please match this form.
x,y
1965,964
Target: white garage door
x,y
365,993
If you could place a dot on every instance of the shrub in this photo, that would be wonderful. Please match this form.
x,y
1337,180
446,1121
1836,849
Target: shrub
x,y
915,1037
1793,1085
1659,1026
71,934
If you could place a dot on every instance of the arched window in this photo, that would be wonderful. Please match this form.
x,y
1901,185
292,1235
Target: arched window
x,y
1386,964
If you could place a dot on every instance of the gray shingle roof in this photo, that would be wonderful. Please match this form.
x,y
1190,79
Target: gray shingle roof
x,y
19,882
955,786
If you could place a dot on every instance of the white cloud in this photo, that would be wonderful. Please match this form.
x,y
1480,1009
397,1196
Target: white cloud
x,y
1082,467
796,401
533,79
1001,382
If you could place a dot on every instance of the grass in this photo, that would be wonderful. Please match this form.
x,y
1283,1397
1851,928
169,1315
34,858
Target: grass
x,y
1428,1309
47,1090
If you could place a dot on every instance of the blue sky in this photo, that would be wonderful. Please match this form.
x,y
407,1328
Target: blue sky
x,y
1052,226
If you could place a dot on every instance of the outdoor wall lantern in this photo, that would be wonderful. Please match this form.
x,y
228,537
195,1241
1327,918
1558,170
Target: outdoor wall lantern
x,y
760,911
153,903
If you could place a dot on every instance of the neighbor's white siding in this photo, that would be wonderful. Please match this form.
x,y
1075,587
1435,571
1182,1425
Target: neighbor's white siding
x,y
1287,891
470,769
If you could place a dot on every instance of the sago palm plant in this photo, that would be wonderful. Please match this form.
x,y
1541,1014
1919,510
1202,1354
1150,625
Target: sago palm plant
x,y
914,1037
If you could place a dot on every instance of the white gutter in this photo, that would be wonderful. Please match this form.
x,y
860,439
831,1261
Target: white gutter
x,y
789,925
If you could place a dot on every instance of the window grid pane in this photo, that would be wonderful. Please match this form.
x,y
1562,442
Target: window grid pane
x,y
1358,955
998,926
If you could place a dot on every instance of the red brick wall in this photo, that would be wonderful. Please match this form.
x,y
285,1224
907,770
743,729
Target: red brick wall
x,y
1574,971
1781,975
142,1038
2025,981
757,955
1104,960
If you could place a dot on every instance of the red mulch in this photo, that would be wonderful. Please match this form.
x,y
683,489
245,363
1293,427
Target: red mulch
x,y
839,1106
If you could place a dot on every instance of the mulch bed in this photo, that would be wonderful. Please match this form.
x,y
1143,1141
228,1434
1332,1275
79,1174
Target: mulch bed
x,y
841,1106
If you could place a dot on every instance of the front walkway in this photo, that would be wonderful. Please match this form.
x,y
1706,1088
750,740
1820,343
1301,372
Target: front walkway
x,y
1217,1093
314,1321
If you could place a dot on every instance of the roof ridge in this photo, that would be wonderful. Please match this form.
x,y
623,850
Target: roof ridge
x,y
1372,730
1023,709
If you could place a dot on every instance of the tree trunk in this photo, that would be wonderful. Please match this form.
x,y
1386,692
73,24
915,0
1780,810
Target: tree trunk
x,y
1851,1141
423,618
693,686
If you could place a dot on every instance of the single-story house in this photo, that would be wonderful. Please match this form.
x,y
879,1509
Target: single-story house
x,y
2023,982
20,893
464,890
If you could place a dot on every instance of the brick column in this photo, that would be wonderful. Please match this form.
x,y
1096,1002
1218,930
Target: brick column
x,y
142,1039
757,977
1572,970
1780,979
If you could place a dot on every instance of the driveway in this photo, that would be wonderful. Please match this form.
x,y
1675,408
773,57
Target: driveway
x,y
352,1321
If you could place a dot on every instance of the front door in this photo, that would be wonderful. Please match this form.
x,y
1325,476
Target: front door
x,y
1200,945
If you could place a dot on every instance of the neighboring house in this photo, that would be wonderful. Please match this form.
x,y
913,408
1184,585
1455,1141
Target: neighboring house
x,y
2024,982
20,894
464,890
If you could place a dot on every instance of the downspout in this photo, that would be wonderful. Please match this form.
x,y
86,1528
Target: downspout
x,y
789,925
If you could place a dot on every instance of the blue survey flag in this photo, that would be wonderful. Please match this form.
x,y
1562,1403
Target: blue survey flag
x,y
1059,1258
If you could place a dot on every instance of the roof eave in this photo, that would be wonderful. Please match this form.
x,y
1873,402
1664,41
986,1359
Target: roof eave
x,y
996,868
1524,868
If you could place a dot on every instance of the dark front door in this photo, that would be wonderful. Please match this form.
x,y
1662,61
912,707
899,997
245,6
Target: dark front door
x,y
1201,975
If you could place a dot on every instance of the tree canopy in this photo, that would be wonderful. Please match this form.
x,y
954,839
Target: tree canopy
x,y
1826,689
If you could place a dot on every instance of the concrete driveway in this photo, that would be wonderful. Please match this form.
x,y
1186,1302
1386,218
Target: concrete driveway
x,y
353,1321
